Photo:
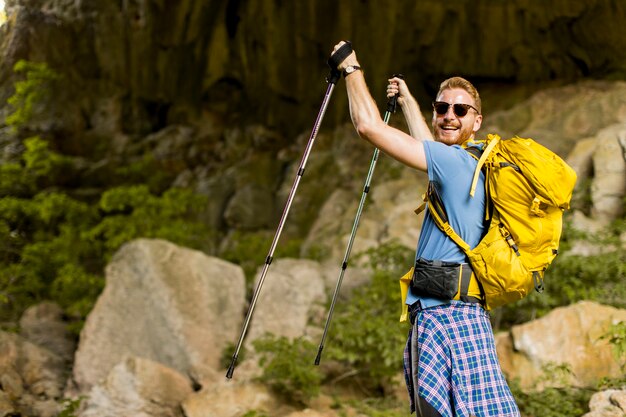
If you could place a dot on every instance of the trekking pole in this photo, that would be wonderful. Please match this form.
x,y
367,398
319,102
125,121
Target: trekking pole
x,y
334,60
391,108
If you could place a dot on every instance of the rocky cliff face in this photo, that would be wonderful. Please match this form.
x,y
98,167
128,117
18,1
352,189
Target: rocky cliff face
x,y
136,66
222,94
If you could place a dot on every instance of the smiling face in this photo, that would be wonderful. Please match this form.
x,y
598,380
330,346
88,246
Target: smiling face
x,y
450,128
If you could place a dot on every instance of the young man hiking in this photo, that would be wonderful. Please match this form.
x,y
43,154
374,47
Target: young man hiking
x,y
450,360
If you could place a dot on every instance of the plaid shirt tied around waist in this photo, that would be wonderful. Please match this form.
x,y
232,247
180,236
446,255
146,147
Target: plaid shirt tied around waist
x,y
457,369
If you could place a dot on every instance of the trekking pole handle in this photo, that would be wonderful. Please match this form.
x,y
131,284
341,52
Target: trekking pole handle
x,y
393,101
337,58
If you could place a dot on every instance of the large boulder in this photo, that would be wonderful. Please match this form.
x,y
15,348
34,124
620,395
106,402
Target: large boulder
x,y
569,336
165,303
292,295
138,387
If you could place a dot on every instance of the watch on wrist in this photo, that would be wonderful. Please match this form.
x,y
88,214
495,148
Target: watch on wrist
x,y
350,69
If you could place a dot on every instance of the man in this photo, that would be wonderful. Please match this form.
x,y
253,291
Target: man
x,y
450,361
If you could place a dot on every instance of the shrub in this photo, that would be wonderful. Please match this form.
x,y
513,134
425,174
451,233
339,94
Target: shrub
x,y
366,334
376,407
288,367
552,402
54,246
29,92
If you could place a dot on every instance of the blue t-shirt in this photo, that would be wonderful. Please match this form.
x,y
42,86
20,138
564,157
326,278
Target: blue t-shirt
x,y
451,169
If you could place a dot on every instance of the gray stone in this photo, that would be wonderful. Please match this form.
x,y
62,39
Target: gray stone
x,y
138,387
31,377
293,293
609,183
43,325
164,303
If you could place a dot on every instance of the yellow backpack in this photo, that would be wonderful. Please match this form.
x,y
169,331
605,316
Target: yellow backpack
x,y
528,187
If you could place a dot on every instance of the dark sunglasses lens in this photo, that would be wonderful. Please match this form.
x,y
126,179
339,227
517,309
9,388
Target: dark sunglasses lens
x,y
441,108
460,110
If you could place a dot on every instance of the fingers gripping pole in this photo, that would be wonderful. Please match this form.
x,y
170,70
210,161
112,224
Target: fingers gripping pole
x,y
391,108
345,50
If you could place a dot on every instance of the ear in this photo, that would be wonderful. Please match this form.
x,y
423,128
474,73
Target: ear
x,y
478,121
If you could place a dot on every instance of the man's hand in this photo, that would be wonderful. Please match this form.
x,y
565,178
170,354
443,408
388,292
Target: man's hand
x,y
398,86
350,59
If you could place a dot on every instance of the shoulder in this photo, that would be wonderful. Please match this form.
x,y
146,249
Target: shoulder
x,y
440,153
447,163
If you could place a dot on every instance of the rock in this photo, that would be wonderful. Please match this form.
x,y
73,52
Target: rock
x,y
164,303
250,208
584,108
43,325
610,403
330,232
12,384
587,247
393,207
353,278
609,183
138,387
31,377
292,294
581,159
529,347
7,408
230,399
388,215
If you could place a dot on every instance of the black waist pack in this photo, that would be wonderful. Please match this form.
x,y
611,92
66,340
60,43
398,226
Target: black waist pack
x,y
436,279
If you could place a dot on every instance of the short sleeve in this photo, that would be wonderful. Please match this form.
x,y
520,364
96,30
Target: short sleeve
x,y
443,161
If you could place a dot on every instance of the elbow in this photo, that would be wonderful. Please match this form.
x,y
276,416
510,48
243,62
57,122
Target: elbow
x,y
366,130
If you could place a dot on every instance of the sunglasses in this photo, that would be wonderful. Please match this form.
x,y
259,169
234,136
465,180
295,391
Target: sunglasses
x,y
460,109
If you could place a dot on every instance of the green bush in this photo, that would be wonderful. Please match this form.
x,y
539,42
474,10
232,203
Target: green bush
x,y
288,367
70,407
376,407
29,92
552,402
366,334
54,246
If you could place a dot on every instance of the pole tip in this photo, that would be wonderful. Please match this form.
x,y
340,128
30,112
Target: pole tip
x,y
319,356
231,368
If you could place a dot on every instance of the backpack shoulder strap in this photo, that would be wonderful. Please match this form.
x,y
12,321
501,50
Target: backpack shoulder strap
x,y
474,151
438,212
492,141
